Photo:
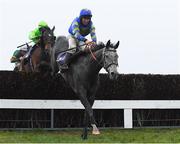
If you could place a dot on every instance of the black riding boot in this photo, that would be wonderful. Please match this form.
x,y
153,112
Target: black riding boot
x,y
64,66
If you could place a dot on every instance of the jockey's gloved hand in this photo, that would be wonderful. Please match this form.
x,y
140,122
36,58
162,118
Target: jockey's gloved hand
x,y
87,42
93,44
20,58
90,44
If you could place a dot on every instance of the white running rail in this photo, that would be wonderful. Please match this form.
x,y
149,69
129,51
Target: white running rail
x,y
126,105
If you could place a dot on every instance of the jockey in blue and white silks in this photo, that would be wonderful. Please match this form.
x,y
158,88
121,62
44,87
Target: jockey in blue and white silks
x,y
78,30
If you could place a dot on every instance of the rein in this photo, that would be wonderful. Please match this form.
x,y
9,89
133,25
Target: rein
x,y
72,48
94,57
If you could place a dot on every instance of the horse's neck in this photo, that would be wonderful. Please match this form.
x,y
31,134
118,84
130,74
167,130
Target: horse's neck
x,y
96,63
41,43
42,54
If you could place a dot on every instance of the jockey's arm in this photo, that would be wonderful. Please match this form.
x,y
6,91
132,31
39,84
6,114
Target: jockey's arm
x,y
93,34
76,32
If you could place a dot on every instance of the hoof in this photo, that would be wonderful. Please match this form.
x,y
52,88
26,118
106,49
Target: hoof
x,y
97,132
84,137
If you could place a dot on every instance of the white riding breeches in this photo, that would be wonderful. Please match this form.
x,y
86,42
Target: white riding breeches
x,y
74,43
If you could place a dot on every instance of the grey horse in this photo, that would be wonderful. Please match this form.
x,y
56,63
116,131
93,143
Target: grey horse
x,y
83,74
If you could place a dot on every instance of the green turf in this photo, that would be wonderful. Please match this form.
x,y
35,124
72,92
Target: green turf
x,y
107,136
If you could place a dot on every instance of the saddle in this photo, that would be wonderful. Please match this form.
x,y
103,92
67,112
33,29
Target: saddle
x,y
61,57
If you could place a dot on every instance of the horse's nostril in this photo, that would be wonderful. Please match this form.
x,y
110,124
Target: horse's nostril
x,y
112,73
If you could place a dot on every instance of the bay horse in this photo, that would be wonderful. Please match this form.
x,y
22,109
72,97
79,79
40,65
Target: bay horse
x,y
83,74
39,60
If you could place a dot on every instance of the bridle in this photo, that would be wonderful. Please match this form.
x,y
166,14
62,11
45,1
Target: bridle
x,y
50,38
103,59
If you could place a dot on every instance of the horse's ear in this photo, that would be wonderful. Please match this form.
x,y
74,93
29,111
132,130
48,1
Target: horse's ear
x,y
53,28
116,46
108,43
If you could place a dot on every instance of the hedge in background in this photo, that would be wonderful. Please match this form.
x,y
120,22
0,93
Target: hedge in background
x,y
126,87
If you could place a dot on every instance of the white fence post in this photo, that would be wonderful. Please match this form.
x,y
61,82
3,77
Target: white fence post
x,y
128,122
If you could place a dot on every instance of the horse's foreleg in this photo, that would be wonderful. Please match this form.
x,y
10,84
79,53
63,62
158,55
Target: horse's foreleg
x,y
85,123
95,129
88,109
21,67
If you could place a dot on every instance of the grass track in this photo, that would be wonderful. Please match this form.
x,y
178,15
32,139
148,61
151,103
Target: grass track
x,y
107,136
